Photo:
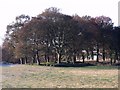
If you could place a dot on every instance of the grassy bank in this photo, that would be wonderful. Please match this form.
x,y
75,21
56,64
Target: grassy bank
x,y
27,76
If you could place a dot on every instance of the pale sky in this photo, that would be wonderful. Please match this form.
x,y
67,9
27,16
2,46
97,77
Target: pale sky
x,y
12,8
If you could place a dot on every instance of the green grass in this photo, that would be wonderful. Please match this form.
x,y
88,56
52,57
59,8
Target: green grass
x,y
33,76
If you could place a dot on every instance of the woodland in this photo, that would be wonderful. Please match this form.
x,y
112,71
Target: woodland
x,y
52,38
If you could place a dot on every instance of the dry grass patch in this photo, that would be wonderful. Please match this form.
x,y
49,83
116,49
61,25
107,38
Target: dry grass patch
x,y
27,76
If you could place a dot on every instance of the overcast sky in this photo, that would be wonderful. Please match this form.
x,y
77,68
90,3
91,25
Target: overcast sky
x,y
12,8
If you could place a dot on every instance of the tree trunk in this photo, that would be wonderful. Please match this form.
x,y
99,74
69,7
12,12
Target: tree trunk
x,y
87,54
74,59
45,57
25,60
37,58
114,59
110,57
83,57
55,58
48,59
33,59
92,55
103,54
111,61
116,56
48,53
20,60
97,53
59,58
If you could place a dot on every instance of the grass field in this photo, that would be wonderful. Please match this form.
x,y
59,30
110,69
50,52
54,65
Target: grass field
x,y
27,76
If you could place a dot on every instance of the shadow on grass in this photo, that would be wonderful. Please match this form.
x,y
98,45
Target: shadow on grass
x,y
97,65
67,64
73,65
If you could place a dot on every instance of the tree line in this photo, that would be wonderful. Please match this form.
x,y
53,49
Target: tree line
x,y
55,37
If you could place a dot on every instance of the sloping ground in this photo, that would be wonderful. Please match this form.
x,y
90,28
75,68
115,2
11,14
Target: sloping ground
x,y
27,76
